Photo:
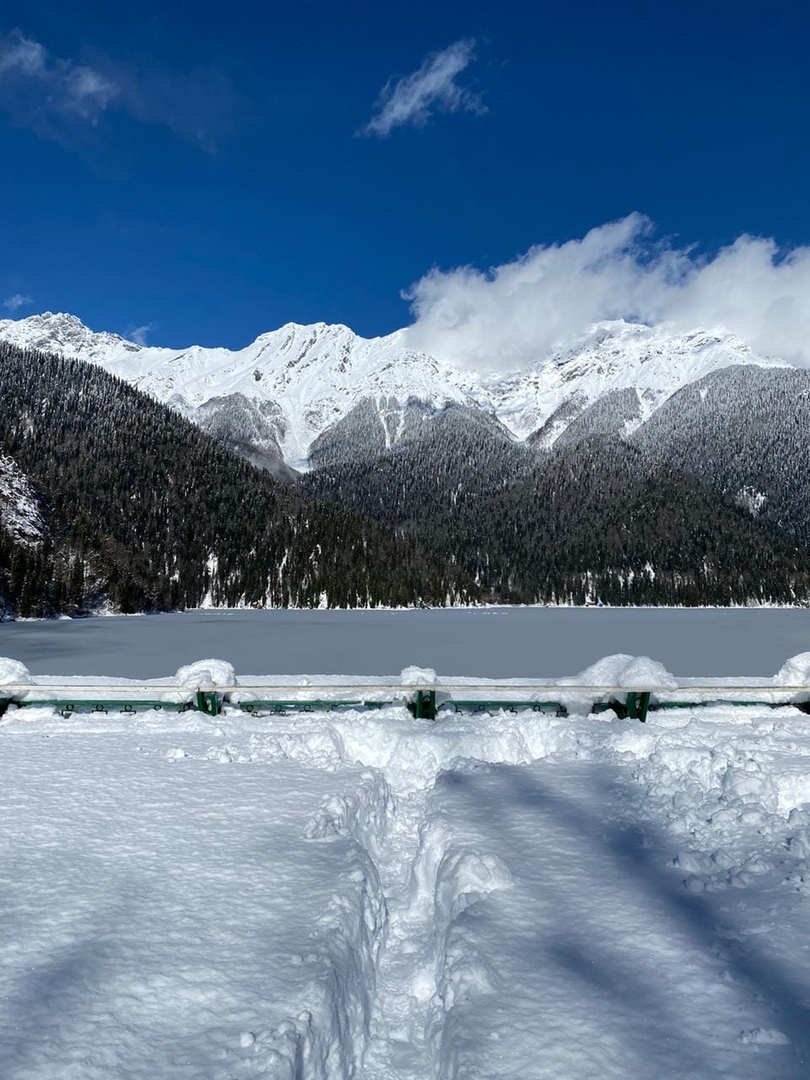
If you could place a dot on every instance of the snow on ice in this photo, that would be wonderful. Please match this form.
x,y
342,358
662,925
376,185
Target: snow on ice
x,y
326,896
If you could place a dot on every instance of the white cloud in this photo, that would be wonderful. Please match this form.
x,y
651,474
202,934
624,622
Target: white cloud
x,y
15,302
18,53
415,98
139,334
63,100
517,313
88,92
36,86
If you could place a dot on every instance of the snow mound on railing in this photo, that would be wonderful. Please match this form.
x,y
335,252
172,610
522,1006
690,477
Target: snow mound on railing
x,y
794,672
418,676
211,672
206,673
627,672
13,672
621,672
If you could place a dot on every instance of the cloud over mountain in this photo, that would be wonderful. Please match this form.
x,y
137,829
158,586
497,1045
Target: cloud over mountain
x,y
17,301
517,312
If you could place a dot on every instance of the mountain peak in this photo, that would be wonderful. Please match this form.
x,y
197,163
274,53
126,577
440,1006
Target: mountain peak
x,y
63,333
302,379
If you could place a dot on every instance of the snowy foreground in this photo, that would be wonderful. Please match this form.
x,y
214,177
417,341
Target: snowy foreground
x,y
353,894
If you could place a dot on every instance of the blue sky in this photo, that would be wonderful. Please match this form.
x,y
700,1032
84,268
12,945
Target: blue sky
x,y
209,172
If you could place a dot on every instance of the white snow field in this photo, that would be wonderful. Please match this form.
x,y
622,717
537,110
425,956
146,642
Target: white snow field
x,y
362,894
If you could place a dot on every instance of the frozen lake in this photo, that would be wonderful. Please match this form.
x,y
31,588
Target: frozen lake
x,y
493,642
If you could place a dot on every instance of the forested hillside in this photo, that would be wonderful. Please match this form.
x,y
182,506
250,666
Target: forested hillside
x,y
595,520
135,507
145,511
744,432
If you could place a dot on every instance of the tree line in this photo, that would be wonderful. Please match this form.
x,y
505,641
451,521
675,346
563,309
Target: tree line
x,y
146,512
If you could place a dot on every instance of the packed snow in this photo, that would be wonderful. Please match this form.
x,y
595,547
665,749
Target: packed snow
x,y
352,894
304,379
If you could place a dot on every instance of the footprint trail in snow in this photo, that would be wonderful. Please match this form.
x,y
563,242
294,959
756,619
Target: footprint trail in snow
x,y
351,896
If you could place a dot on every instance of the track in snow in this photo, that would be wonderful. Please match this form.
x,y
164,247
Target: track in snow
x,y
335,896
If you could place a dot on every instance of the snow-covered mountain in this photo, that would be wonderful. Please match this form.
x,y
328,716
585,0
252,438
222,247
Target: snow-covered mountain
x,y
654,362
275,397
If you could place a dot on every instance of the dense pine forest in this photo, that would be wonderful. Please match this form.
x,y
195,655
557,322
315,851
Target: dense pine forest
x,y
146,512
594,519
138,509
743,431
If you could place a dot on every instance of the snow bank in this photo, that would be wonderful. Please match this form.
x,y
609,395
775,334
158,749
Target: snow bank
x,y
361,814
454,876
429,905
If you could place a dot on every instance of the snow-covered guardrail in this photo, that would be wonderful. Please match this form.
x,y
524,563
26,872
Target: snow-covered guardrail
x,y
630,686
559,699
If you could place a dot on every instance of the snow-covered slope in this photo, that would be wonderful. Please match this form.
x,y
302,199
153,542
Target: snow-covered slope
x,y
20,513
313,374
292,384
614,356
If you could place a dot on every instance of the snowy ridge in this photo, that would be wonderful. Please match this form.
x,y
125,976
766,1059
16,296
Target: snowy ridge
x,y
654,361
20,514
303,379
314,374
65,335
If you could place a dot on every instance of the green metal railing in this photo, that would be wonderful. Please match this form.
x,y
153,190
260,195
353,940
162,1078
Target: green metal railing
x,y
95,705
425,703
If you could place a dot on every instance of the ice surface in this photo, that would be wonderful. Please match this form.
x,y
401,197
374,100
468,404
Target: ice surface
x,y
490,642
